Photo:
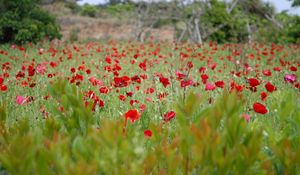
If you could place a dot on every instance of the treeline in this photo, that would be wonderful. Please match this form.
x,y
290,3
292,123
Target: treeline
x,y
192,20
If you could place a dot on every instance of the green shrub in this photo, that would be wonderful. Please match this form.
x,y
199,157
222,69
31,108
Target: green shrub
x,y
74,35
121,8
24,21
75,8
89,10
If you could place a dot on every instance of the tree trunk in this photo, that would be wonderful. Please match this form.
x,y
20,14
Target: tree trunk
x,y
197,31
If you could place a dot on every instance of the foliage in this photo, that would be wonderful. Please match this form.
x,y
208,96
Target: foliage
x,y
75,8
24,21
234,29
289,34
295,3
74,35
89,10
120,8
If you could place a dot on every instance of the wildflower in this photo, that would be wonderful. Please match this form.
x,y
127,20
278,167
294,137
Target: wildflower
x,y
133,115
290,78
147,133
169,116
270,87
253,82
164,81
20,100
260,108
210,87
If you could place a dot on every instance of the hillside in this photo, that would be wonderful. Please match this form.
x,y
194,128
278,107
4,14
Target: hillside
x,y
87,28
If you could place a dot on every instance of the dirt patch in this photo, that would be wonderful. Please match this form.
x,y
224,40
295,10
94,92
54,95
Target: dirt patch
x,y
92,28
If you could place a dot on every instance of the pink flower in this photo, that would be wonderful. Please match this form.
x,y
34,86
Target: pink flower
x,y
291,78
20,100
246,117
40,69
210,87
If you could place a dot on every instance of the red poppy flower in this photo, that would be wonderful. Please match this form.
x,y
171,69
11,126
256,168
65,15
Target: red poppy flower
x,y
143,76
101,103
169,116
220,84
253,82
204,78
149,91
143,65
53,64
147,133
190,64
180,75
122,97
3,88
103,90
202,69
121,81
270,87
95,82
164,81
79,77
278,69
132,102
297,85
263,96
108,60
129,94
185,83
73,70
136,79
81,68
133,115
31,71
88,71
293,68
267,73
142,108
260,108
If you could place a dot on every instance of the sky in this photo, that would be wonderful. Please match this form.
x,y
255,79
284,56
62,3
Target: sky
x,y
279,4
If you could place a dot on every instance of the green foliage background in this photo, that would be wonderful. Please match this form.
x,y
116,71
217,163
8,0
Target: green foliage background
x,y
24,21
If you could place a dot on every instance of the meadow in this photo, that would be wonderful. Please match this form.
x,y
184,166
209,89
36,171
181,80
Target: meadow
x,y
149,108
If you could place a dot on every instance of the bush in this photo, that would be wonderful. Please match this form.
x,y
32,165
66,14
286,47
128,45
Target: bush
x,y
89,10
24,21
74,35
290,33
75,8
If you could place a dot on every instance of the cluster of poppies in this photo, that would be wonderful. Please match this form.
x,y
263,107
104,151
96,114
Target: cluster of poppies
x,y
152,70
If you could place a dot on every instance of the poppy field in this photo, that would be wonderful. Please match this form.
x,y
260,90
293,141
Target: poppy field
x,y
149,108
